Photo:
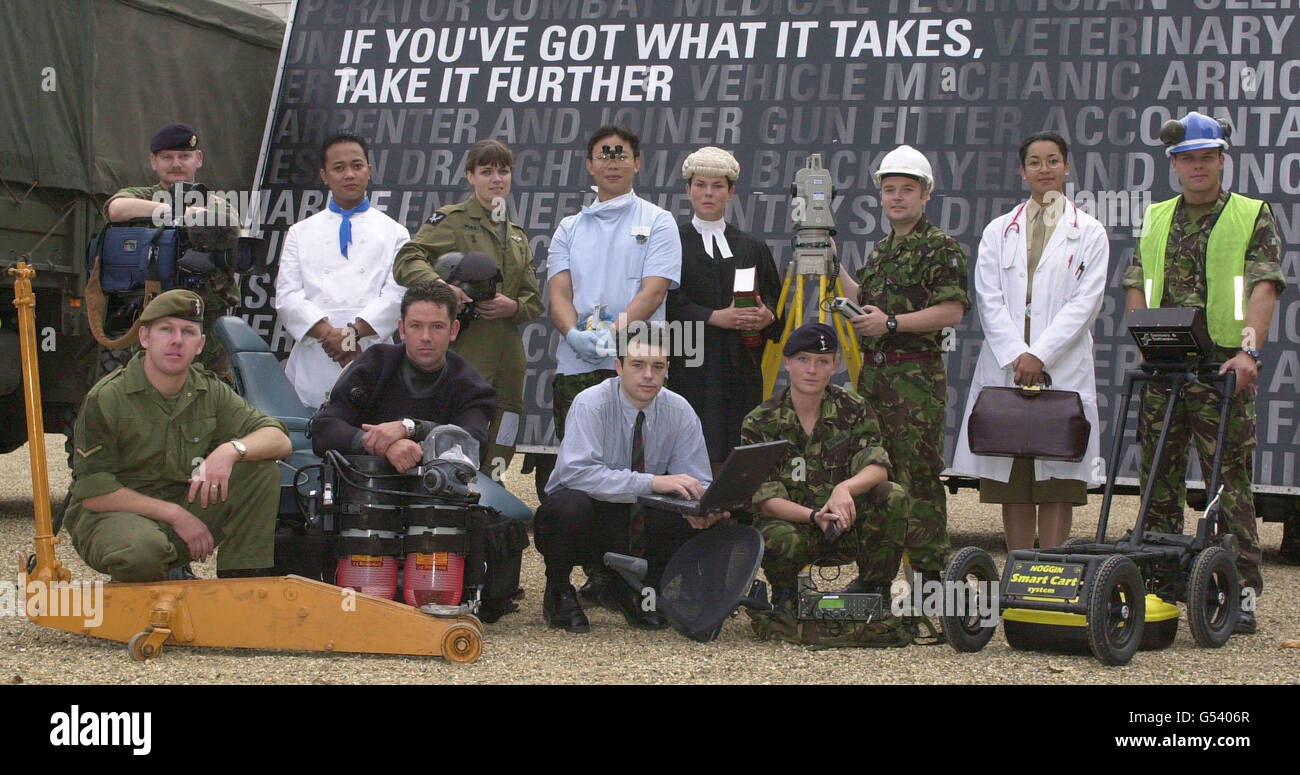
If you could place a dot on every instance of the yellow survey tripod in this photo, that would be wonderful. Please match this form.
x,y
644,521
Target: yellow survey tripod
x,y
814,256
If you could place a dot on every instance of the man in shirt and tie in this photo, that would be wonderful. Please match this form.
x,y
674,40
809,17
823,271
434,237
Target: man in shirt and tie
x,y
626,436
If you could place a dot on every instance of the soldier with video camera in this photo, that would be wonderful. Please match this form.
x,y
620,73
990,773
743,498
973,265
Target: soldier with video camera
x,y
209,228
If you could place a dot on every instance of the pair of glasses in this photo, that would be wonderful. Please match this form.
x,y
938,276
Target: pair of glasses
x,y
613,158
1051,163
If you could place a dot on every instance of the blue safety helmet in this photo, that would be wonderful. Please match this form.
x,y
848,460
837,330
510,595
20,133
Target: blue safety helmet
x,y
1193,133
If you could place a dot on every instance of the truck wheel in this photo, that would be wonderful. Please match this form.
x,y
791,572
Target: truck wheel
x,y
1213,594
1116,611
972,570
110,360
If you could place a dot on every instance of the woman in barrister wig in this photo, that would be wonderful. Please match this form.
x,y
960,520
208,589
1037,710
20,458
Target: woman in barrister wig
x,y
723,381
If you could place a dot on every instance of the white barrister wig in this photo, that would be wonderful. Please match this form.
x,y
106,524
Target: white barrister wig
x,y
711,162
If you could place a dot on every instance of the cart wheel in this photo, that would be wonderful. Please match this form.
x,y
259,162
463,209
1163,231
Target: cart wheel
x,y
140,650
1116,611
962,628
1213,595
461,643
1019,636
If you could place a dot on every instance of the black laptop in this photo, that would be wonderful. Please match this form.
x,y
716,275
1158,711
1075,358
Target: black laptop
x,y
744,470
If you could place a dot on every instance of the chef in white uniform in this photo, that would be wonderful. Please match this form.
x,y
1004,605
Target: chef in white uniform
x,y
335,292
1039,280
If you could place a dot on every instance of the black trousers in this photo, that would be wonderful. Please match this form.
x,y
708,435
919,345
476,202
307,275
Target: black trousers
x,y
572,528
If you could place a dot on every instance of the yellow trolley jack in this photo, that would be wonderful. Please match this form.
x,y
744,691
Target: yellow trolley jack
x,y
289,613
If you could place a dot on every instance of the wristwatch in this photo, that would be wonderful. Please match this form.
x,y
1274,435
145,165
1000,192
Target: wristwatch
x,y
891,323
1252,352
812,516
409,425
239,447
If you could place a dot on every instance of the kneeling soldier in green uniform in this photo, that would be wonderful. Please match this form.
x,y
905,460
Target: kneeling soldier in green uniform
x,y
835,478
171,463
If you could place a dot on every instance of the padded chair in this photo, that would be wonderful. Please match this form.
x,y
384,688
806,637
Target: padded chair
x,y
260,379
706,579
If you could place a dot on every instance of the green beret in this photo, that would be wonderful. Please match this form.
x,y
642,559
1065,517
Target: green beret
x,y
185,305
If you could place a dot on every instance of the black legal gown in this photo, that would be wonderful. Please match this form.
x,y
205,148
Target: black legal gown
x,y
728,382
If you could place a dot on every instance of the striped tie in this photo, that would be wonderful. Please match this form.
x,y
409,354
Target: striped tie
x,y
637,540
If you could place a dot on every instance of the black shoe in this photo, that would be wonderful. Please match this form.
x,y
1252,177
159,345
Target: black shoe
x,y
1245,623
560,608
596,581
785,598
181,573
619,597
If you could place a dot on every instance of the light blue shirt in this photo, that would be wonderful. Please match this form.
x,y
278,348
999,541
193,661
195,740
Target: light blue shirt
x,y
608,248
596,453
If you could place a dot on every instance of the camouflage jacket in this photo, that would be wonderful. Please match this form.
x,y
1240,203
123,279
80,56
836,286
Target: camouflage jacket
x,y
467,226
917,271
221,290
1185,256
845,440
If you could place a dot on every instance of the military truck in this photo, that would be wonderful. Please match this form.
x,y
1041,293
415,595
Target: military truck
x,y
89,83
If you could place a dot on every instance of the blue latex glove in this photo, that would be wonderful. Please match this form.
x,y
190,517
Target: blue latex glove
x,y
605,345
587,344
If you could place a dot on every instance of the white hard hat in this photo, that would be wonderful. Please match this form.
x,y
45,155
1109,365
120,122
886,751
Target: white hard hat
x,y
906,160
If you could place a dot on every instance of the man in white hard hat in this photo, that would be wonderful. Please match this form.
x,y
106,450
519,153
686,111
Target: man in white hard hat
x,y
1219,251
912,287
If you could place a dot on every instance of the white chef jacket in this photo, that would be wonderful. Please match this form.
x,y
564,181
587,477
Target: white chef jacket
x,y
316,281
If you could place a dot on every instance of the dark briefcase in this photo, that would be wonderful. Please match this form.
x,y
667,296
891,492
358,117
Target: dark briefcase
x,y
1029,422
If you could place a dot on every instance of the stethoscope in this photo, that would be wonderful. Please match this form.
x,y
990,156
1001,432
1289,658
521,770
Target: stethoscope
x,y
1072,233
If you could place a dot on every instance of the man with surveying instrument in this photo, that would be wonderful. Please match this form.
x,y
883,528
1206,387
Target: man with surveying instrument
x,y
1217,251
911,288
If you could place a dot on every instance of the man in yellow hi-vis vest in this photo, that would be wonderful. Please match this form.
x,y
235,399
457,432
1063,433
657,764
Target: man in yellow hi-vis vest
x,y
1219,251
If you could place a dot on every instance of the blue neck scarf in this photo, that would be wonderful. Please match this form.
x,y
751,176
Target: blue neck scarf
x,y
345,228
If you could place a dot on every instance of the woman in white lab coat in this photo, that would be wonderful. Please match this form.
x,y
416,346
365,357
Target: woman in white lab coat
x,y
1039,280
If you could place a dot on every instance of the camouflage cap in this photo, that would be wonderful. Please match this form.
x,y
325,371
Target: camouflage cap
x,y
175,137
816,338
178,303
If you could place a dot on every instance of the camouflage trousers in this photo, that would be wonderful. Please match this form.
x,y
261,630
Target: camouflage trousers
x,y
875,542
1196,418
909,400
566,387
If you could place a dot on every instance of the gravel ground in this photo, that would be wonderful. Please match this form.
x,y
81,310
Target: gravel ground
x,y
521,649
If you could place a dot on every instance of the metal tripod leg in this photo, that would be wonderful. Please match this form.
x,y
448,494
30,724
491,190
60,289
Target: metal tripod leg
x,y
794,318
